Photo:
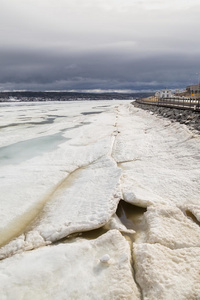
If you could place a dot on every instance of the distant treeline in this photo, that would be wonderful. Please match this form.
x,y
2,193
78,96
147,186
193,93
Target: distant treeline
x,y
66,96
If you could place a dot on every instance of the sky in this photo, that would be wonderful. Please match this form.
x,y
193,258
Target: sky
x,y
99,45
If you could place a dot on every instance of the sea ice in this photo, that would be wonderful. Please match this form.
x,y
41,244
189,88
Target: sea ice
x,y
72,188
96,269
167,274
169,226
64,168
159,160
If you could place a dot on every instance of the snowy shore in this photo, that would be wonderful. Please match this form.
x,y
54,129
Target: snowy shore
x,y
64,169
191,118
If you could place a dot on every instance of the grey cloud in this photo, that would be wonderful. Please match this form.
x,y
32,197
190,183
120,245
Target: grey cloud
x,y
97,70
98,44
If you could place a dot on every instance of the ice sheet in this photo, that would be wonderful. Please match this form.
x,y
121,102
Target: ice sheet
x,y
155,157
48,179
96,154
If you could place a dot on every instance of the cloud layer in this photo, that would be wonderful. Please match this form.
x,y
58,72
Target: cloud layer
x,y
95,44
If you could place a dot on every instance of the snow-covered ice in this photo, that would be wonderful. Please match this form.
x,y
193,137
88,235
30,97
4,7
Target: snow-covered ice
x,y
44,185
160,160
63,169
169,226
167,274
97,269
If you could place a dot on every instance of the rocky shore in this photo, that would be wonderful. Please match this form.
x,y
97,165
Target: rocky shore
x,y
183,116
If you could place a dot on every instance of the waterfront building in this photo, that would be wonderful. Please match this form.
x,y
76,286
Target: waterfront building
x,y
164,93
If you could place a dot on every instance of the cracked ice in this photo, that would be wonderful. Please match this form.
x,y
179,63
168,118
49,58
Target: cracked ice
x,y
64,168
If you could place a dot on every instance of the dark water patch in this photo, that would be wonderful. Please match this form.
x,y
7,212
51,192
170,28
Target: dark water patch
x,y
76,126
91,113
57,116
70,128
103,106
46,121
85,123
88,235
24,150
192,217
93,234
131,215
12,125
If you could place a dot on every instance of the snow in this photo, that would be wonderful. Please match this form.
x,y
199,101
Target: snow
x,y
79,270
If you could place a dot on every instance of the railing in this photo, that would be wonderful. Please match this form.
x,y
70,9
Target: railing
x,y
181,103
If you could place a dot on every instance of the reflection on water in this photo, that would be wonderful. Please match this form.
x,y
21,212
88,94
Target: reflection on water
x,y
24,150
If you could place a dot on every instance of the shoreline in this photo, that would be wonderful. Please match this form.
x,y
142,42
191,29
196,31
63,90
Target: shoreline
x,y
183,116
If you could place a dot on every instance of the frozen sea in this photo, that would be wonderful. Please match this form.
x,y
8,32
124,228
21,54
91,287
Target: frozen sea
x,y
97,190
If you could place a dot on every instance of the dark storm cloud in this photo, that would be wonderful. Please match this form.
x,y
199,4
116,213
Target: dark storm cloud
x,y
95,44
94,70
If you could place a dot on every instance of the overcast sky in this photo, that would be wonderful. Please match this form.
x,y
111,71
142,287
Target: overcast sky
x,y
99,44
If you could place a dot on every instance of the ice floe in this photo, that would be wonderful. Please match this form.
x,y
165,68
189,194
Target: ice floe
x,y
167,274
64,169
169,226
97,269
73,188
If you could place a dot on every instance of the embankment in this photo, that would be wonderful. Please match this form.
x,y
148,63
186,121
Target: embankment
x,y
183,116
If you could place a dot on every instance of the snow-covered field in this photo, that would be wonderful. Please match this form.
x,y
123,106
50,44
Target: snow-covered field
x,y
64,167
